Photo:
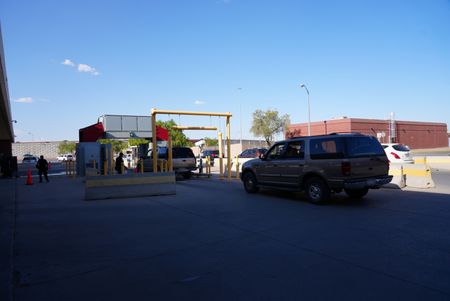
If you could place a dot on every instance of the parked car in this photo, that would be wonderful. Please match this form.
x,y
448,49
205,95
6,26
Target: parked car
x,y
320,165
29,159
65,157
213,154
252,153
398,153
183,160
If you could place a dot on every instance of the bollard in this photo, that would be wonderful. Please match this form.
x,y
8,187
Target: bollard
x,y
122,168
237,167
141,165
208,166
105,168
221,168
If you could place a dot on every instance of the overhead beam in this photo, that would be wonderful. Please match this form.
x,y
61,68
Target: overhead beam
x,y
169,112
201,128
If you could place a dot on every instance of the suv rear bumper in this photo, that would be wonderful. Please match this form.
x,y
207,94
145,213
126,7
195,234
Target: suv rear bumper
x,y
368,183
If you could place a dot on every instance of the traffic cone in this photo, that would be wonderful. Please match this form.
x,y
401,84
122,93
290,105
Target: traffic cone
x,y
29,178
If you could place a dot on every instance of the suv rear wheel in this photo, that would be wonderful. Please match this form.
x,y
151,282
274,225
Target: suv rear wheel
x,y
249,180
316,190
356,193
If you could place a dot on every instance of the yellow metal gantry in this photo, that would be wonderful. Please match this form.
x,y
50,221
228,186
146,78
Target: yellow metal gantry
x,y
191,113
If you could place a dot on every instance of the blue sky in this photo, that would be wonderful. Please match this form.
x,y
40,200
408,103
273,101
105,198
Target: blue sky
x,y
360,59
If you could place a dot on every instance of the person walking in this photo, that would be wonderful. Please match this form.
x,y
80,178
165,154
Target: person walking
x,y
42,166
119,163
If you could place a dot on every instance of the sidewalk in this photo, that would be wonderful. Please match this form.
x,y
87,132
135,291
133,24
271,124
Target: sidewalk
x,y
7,220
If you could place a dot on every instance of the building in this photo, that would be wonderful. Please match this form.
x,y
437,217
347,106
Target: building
x,y
412,133
6,127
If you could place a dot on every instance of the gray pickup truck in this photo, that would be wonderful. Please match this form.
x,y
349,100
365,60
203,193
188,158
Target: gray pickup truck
x,y
184,161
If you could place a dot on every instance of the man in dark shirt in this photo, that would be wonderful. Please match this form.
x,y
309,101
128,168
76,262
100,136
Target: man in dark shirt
x,y
119,163
42,166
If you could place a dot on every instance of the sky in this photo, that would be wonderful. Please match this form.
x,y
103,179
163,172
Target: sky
x,y
69,62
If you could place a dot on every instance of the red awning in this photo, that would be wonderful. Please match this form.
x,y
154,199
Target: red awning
x,y
91,133
162,133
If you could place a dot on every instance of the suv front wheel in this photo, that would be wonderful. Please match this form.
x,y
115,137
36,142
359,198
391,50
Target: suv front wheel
x,y
250,182
317,190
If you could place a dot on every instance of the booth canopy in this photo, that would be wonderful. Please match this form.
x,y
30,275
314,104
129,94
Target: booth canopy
x,y
96,131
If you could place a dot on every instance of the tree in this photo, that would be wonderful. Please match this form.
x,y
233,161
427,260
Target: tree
x,y
66,147
117,145
211,142
178,138
267,124
137,141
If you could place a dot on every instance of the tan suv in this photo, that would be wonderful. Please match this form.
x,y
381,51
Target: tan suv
x,y
320,165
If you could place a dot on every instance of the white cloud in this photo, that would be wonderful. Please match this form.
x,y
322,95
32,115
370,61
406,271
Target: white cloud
x,y
81,67
199,102
87,68
24,100
68,62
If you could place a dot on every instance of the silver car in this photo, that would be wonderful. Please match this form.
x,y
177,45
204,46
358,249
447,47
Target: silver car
x,y
183,159
320,165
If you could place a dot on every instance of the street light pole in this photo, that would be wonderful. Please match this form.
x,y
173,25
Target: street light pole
x,y
309,109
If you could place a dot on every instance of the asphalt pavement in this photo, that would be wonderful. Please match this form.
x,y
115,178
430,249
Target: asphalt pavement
x,y
213,241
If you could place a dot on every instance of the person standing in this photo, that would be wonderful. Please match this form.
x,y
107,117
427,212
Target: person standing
x,y
42,166
119,163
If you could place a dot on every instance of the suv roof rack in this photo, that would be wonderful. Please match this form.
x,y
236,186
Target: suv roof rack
x,y
345,133
331,134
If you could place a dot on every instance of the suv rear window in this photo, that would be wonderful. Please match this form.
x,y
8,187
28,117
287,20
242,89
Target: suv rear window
x,y
363,147
182,152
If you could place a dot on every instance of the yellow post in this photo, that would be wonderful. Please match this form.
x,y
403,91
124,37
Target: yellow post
x,y
111,171
169,153
228,148
154,145
237,167
105,163
220,155
208,165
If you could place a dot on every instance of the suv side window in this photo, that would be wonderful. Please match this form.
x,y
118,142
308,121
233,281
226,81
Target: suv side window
x,y
276,152
295,150
326,148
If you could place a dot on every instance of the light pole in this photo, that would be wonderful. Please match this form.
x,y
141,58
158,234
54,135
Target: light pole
x,y
32,136
309,109
240,113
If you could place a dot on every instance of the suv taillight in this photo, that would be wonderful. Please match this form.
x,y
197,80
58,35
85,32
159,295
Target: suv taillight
x,y
346,168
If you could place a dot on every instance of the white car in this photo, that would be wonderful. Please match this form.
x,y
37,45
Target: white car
x,y
65,157
398,153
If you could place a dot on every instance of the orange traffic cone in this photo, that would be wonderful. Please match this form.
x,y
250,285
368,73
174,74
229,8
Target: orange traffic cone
x,y
29,178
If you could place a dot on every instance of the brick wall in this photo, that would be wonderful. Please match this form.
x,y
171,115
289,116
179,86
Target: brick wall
x,y
412,133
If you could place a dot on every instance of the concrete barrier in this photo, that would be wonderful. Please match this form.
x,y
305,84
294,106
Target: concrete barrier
x,y
398,180
129,185
418,175
438,162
